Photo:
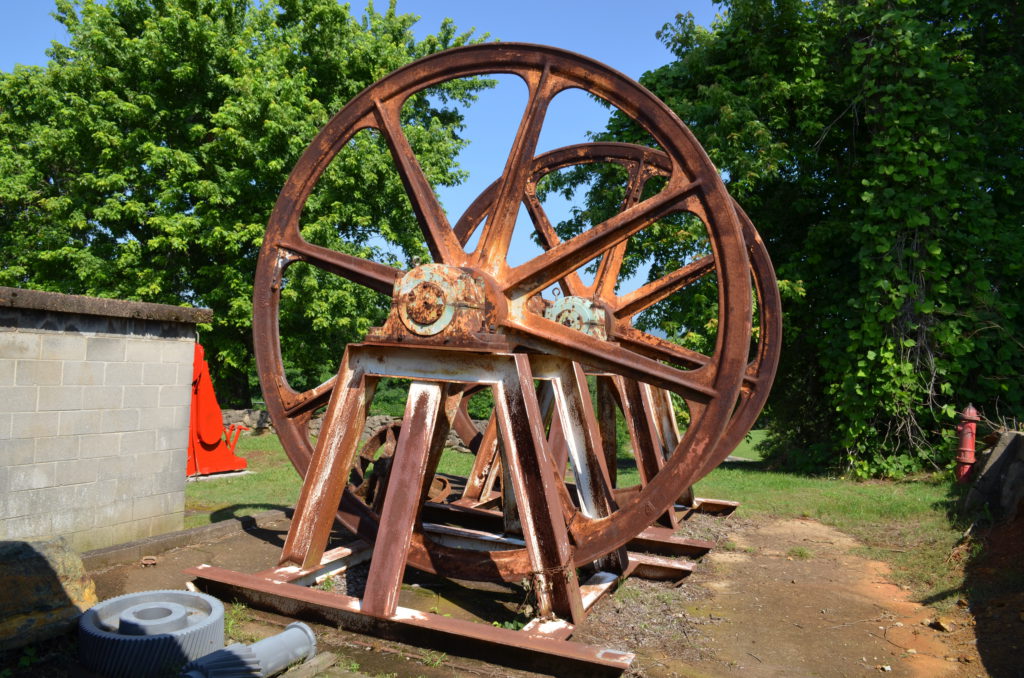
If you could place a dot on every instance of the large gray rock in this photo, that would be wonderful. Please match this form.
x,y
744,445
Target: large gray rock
x,y
999,478
46,589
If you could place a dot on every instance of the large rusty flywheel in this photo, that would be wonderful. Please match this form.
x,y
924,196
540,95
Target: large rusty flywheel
x,y
553,338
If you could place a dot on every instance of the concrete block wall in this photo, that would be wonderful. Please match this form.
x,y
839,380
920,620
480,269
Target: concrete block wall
x,y
94,410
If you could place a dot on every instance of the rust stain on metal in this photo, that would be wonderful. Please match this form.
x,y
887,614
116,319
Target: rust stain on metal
x,y
425,303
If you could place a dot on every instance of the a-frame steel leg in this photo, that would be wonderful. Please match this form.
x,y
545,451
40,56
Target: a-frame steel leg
x,y
533,480
425,427
328,470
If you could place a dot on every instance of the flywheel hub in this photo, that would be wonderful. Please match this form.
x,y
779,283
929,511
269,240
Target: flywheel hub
x,y
582,315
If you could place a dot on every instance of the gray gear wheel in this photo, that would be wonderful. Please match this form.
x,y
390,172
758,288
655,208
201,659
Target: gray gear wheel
x,y
150,633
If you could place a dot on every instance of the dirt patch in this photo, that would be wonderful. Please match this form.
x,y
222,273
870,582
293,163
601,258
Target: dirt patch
x,y
783,598
792,599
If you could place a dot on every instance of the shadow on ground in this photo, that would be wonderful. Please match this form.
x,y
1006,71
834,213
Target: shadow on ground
x,y
242,514
995,585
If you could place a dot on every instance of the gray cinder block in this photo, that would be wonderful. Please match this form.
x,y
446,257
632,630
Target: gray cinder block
x,y
19,398
79,372
33,424
106,349
102,397
19,345
116,421
60,398
123,374
56,448
63,346
38,373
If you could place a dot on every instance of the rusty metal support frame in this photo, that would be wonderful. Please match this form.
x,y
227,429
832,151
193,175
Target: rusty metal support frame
x,y
469,320
545,509
438,379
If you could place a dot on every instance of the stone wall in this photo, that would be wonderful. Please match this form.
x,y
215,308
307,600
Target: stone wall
x,y
257,421
94,409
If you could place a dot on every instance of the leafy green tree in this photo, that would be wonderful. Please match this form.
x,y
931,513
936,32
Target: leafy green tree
x,y
879,148
143,161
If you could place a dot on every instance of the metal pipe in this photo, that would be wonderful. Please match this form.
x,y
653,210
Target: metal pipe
x,y
268,657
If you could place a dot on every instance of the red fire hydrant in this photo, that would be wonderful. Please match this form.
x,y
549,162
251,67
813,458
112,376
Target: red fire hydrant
x,y
966,429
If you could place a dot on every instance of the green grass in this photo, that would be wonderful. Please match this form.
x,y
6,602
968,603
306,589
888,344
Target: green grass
x,y
272,483
235,618
456,463
747,449
434,659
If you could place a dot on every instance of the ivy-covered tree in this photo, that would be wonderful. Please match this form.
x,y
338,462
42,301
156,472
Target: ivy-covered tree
x,y
143,161
879,148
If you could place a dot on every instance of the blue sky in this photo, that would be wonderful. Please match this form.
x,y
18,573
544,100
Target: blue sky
x,y
620,34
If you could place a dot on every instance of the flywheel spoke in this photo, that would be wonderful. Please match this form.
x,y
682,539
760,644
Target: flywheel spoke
x,y
567,256
378,277
443,245
494,241
657,348
571,283
611,263
648,295
310,400
549,336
